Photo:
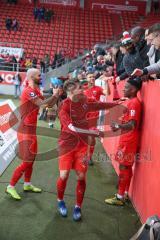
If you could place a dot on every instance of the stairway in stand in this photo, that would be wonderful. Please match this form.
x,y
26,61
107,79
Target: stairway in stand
x,y
116,24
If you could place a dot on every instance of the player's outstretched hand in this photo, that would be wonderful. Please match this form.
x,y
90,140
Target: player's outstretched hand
x,y
101,134
137,72
114,126
118,80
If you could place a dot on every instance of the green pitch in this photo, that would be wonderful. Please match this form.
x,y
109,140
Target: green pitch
x,y
36,216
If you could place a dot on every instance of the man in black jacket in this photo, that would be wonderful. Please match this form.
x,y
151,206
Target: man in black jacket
x,y
138,37
131,60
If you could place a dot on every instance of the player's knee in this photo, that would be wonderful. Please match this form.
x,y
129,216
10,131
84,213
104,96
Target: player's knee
x,y
64,175
80,176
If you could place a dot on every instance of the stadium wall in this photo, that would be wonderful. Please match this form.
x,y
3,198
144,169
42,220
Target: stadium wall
x,y
144,191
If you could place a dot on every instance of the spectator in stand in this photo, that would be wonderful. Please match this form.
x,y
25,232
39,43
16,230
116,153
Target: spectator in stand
x,y
54,62
8,23
58,59
41,14
17,83
22,64
154,35
34,62
117,57
108,59
132,58
42,66
138,37
14,62
47,62
153,53
28,63
8,62
15,25
99,50
48,15
100,63
96,52
35,13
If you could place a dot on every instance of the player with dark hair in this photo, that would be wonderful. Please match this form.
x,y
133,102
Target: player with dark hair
x,y
128,141
73,142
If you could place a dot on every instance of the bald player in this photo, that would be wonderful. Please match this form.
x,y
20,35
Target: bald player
x,y
31,100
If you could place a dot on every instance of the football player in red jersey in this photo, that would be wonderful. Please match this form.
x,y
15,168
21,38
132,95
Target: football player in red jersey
x,y
73,142
128,142
31,100
93,92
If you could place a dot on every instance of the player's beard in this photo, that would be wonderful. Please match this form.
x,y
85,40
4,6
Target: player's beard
x,y
37,82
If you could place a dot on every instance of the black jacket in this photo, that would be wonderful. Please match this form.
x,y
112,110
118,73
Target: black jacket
x,y
143,49
131,61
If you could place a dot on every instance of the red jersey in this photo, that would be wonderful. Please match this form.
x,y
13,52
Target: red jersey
x,y
75,113
93,93
132,112
28,110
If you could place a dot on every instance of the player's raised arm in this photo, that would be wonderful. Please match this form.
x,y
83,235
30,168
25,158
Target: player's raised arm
x,y
49,101
95,106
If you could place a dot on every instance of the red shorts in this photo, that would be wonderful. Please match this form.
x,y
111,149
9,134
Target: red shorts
x,y
27,149
126,153
75,159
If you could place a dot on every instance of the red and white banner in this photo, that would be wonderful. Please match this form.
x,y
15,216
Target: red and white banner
x,y
61,2
17,52
114,7
117,6
8,77
8,135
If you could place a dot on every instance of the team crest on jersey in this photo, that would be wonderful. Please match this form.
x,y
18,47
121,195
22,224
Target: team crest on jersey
x,y
133,113
32,94
94,93
85,106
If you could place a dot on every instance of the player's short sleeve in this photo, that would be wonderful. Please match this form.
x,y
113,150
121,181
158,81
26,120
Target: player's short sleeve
x,y
134,109
30,95
64,113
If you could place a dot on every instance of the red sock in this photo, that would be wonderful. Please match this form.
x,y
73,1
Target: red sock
x,y
80,190
61,186
28,173
129,179
19,172
124,180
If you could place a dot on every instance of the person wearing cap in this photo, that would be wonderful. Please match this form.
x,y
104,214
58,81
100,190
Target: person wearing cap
x,y
132,58
118,56
128,127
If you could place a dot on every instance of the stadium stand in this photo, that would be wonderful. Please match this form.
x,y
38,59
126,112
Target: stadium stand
x,y
71,29
150,20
